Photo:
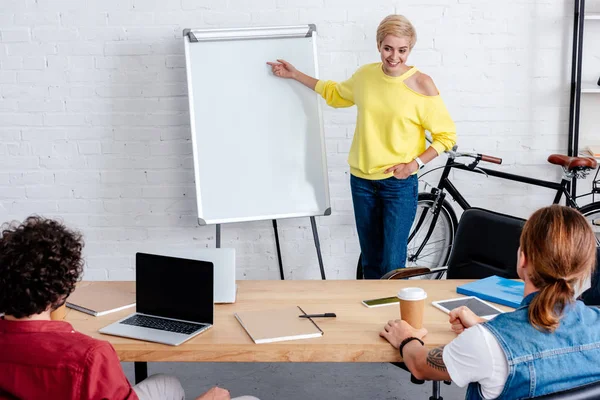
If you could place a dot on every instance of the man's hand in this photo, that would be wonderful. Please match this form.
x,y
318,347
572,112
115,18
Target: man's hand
x,y
462,318
396,331
403,171
215,393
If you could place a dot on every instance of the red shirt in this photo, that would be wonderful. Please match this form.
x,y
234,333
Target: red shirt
x,y
49,360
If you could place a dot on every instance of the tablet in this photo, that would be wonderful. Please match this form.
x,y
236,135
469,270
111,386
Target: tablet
x,y
479,307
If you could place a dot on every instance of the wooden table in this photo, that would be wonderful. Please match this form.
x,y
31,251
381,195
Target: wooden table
x,y
351,337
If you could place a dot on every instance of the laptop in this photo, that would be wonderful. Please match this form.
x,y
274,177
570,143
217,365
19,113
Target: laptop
x,y
174,300
223,260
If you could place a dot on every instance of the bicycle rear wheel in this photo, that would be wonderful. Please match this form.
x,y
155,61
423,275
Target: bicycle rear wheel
x,y
436,247
591,212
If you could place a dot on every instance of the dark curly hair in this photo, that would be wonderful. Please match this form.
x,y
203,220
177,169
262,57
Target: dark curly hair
x,y
40,263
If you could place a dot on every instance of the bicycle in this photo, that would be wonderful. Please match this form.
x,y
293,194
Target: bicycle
x,y
434,227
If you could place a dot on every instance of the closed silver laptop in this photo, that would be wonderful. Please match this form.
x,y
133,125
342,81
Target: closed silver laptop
x,y
174,300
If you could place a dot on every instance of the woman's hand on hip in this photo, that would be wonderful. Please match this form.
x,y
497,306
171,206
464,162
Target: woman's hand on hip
x,y
403,171
283,69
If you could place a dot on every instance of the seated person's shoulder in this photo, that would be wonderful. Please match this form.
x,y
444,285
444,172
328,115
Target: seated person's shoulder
x,y
99,348
84,348
422,84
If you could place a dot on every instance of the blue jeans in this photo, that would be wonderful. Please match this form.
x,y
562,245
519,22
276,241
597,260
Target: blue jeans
x,y
384,211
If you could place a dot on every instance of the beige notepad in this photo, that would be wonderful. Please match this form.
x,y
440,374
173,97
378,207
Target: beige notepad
x,y
102,297
277,325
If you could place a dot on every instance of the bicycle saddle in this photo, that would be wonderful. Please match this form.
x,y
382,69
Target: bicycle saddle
x,y
571,163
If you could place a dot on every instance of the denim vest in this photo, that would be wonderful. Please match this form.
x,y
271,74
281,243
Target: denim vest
x,y
540,363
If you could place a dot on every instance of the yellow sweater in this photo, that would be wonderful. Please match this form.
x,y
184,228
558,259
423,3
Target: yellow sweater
x,y
391,120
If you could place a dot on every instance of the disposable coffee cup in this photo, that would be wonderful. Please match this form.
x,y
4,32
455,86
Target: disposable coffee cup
x,y
412,306
59,314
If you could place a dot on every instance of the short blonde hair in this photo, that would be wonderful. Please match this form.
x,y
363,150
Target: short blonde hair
x,y
397,25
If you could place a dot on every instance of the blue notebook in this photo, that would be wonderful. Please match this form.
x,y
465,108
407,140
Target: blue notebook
x,y
495,289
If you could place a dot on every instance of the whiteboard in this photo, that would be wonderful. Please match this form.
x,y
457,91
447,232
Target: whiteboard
x,y
259,150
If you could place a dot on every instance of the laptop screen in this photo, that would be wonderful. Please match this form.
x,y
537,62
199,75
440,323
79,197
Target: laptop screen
x,y
174,288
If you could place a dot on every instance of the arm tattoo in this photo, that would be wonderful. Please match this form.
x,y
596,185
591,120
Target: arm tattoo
x,y
435,359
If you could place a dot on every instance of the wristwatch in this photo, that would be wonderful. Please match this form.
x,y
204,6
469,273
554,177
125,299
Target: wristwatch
x,y
421,164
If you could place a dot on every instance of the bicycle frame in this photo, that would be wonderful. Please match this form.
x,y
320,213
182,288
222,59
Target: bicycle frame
x,y
445,185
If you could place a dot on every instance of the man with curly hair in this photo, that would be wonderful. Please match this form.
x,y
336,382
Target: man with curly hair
x,y
40,264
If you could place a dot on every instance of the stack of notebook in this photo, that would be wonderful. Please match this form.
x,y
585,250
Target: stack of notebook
x,y
593,150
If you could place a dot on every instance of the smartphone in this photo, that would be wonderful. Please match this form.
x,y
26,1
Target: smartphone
x,y
384,301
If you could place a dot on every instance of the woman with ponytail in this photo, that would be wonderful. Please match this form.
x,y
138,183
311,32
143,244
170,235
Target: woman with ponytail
x,y
549,344
559,248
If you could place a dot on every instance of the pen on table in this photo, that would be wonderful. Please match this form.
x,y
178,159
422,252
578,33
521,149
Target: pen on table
x,y
326,315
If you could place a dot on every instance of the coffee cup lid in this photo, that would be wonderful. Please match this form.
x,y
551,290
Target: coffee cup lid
x,y
412,293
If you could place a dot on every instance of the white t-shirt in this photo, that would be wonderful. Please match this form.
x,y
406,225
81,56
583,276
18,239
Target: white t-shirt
x,y
476,356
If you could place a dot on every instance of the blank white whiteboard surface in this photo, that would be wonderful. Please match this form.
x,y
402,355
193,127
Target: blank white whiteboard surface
x,y
259,150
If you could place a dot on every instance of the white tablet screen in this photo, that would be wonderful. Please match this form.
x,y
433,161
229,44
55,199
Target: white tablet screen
x,y
480,308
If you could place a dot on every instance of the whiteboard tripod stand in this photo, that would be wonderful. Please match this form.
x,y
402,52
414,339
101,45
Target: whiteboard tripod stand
x,y
315,232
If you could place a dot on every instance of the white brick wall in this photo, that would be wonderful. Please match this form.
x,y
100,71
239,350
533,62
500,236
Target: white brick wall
x,y
94,124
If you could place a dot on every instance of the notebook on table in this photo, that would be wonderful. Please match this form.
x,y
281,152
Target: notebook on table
x,y
102,298
495,289
268,326
174,300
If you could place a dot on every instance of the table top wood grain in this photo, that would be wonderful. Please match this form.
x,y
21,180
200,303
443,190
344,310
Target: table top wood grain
x,y
351,337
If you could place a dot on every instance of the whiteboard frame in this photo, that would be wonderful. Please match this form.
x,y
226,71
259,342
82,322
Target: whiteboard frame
x,y
192,36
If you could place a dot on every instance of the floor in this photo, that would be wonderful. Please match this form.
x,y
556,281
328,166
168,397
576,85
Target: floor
x,y
299,381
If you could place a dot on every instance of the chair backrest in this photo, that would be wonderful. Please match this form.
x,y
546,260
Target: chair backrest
x,y
486,244
591,297
590,391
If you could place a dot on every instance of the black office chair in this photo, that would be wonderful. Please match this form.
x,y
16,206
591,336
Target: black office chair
x,y
486,244
591,391
591,297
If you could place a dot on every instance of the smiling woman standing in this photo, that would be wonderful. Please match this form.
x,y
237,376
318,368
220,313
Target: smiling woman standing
x,y
396,104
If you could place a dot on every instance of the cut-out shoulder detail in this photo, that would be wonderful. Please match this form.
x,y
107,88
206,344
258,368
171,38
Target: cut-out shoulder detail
x,y
422,84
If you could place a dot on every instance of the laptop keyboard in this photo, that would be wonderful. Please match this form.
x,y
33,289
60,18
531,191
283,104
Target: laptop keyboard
x,y
163,324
